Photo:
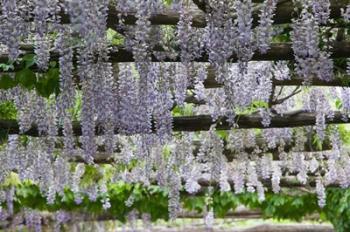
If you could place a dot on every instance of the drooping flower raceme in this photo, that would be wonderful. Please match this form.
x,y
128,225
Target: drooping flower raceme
x,y
244,23
321,10
310,59
265,30
12,27
321,193
220,33
189,44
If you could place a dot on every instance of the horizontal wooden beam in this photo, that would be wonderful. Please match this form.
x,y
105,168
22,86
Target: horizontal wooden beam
x,y
284,14
278,51
164,17
204,122
293,119
285,182
201,4
288,146
284,10
210,81
287,228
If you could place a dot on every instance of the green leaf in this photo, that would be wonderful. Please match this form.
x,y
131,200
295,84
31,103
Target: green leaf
x,y
188,109
26,78
29,60
168,2
53,83
260,104
6,67
41,87
298,202
8,110
49,83
12,180
222,134
110,34
91,175
75,111
338,104
53,64
177,111
114,37
166,150
3,136
185,110
317,142
344,131
7,82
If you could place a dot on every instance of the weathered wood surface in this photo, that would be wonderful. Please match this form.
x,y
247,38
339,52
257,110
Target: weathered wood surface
x,y
284,14
204,122
278,51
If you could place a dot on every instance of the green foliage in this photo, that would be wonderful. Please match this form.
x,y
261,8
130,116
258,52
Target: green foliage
x,y
223,134
259,104
289,207
114,38
337,210
48,83
338,104
185,110
150,200
252,108
224,202
6,67
76,109
28,60
344,132
45,84
317,142
92,175
284,36
194,203
8,110
7,82
167,2
11,180
26,78
154,200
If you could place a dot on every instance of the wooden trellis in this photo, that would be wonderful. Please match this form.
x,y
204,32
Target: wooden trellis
x,y
285,12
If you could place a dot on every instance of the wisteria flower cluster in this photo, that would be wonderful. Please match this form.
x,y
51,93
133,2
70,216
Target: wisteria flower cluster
x,y
115,105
